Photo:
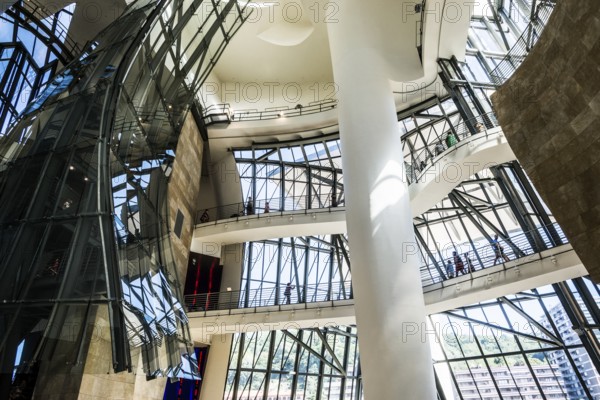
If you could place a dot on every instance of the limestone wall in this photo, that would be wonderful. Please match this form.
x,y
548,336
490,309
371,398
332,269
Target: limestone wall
x,y
183,192
550,113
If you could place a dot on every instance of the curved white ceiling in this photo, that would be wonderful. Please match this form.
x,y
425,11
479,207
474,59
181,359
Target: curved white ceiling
x,y
284,23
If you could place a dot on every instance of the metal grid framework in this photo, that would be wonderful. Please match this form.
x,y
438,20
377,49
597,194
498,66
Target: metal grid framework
x,y
316,267
30,53
292,176
510,348
319,363
499,41
538,344
84,173
499,201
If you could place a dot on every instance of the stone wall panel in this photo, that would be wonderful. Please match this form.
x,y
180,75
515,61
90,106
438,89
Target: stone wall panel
x,y
550,112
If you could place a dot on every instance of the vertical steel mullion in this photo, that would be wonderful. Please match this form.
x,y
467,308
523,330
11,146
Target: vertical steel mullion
x,y
359,383
279,268
337,242
283,181
253,187
250,246
536,202
487,320
296,272
321,371
272,336
470,240
299,334
519,209
437,249
492,205
453,90
485,361
331,266
334,201
588,299
306,267
344,365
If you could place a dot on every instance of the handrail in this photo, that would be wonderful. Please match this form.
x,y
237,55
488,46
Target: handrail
x,y
421,156
276,205
223,112
517,54
269,296
482,257
486,256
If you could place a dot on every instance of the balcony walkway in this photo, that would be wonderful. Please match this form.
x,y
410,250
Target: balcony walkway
x,y
228,314
443,174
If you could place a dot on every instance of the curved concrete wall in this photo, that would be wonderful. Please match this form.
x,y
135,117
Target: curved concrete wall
x,y
550,113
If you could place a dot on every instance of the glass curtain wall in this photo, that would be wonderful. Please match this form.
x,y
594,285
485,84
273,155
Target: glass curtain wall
x,y
84,221
536,344
533,344
292,177
317,268
319,363
29,56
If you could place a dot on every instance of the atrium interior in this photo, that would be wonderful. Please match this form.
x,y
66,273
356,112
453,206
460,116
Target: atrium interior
x,y
296,200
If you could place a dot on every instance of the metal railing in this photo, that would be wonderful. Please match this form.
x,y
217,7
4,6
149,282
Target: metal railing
x,y
517,246
264,208
224,113
421,157
517,54
269,296
485,256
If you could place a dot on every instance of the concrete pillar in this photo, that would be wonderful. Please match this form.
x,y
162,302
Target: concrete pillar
x,y
233,263
390,312
215,375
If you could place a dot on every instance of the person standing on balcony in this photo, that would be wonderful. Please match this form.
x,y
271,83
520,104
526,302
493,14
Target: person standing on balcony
x,y
204,218
267,207
458,263
450,269
439,148
451,139
287,293
470,267
498,250
249,206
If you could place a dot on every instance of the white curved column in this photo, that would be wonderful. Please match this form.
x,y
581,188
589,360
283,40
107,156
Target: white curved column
x,y
390,310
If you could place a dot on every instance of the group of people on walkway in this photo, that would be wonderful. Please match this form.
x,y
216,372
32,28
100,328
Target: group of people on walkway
x,y
457,266
450,140
250,207
247,208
